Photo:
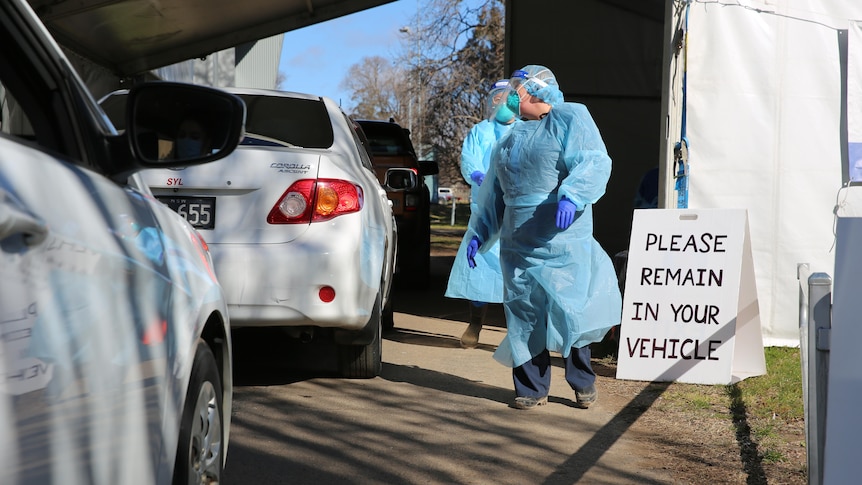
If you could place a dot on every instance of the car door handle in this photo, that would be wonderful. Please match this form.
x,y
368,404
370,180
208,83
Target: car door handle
x,y
14,221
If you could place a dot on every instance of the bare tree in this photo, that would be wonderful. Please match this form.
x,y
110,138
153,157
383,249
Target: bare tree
x,y
461,57
374,86
451,55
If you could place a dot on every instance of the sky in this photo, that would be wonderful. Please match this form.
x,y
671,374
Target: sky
x,y
315,59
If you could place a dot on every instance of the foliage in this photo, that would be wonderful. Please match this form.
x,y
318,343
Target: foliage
x,y
453,53
467,62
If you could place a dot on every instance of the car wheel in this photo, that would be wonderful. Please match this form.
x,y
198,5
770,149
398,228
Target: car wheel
x,y
364,361
200,449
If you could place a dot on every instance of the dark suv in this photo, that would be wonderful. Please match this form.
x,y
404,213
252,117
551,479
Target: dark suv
x,y
390,147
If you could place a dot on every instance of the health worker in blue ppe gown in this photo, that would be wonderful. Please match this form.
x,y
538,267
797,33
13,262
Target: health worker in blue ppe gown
x,y
560,289
483,284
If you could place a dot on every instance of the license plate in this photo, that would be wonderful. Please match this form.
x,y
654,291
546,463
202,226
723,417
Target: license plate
x,y
198,211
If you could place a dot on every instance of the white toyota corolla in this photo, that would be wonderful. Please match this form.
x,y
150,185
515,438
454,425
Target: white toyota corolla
x,y
300,230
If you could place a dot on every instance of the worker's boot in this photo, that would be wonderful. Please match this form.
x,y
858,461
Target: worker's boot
x,y
470,338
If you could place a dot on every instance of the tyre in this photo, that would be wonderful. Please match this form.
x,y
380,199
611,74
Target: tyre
x,y
364,361
200,450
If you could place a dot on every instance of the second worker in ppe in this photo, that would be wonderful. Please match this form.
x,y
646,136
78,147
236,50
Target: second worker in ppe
x,y
484,284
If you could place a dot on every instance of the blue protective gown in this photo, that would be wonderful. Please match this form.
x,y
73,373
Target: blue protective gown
x,y
561,290
484,283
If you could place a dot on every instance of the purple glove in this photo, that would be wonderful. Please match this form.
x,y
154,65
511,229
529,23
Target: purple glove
x,y
472,249
565,213
478,177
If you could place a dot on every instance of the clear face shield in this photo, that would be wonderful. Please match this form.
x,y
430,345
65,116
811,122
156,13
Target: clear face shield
x,y
521,86
496,97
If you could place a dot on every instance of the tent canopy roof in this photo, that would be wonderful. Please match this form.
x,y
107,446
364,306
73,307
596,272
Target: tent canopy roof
x,y
130,37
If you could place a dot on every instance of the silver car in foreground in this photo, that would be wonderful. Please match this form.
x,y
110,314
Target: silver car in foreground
x,y
300,229
115,349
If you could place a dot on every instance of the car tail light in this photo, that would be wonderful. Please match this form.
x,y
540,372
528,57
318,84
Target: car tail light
x,y
311,200
326,294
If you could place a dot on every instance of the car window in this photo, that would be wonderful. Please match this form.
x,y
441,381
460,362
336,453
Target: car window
x,y
299,122
32,108
387,139
361,142
14,118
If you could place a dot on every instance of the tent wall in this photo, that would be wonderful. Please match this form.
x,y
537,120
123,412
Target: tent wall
x,y
854,101
764,93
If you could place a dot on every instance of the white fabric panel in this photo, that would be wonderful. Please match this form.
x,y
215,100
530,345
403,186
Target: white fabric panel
x,y
763,126
854,100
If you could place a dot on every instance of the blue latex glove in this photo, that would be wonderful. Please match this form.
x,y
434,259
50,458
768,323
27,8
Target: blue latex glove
x,y
478,176
565,213
472,249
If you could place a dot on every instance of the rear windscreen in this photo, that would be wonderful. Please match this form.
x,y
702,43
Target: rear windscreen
x,y
387,139
299,122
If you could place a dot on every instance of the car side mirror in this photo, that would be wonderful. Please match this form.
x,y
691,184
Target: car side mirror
x,y
428,167
169,124
401,179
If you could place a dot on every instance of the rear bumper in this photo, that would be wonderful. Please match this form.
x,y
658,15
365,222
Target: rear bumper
x,y
279,284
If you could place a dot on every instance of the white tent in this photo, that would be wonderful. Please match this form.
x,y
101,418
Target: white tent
x,y
854,101
764,104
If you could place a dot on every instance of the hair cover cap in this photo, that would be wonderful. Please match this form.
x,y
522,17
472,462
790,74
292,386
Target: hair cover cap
x,y
540,82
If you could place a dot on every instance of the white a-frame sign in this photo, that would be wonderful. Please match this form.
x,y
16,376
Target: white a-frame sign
x,y
690,308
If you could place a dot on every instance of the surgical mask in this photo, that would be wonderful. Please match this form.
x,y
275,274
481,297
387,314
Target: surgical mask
x,y
188,148
504,114
513,103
